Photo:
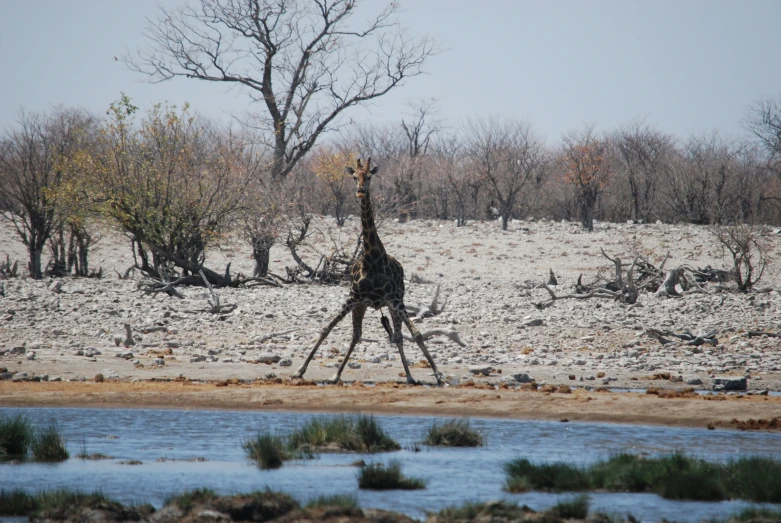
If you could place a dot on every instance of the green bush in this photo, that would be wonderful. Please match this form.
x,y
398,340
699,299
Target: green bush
x,y
381,477
48,444
758,514
453,433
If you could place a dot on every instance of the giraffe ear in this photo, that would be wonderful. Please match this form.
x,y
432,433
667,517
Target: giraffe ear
x,y
349,170
374,170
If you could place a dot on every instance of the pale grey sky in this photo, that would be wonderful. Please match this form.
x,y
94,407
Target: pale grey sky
x,y
684,66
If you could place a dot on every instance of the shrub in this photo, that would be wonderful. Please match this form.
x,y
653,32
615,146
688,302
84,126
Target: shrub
x,y
16,434
378,476
48,444
576,507
453,433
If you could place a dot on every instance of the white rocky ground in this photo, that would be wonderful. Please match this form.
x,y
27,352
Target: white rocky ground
x,y
71,334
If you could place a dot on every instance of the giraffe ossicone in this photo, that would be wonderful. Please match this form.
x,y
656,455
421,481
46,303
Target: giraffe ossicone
x,y
377,280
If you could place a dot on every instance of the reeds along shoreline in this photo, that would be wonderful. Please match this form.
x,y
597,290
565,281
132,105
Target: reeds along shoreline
x,y
674,476
19,438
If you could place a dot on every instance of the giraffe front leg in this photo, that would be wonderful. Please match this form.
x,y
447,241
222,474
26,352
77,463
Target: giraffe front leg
x,y
418,337
323,335
399,341
358,314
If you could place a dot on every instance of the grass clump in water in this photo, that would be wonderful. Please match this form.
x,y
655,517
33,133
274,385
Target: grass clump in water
x,y
756,478
190,498
453,433
378,476
268,450
500,510
759,514
347,433
523,475
674,476
16,434
576,507
48,444
340,501
54,504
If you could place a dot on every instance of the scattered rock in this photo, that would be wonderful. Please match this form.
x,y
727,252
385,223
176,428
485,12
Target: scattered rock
x,y
286,362
99,378
728,383
480,370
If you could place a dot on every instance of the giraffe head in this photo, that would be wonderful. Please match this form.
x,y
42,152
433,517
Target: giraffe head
x,y
362,176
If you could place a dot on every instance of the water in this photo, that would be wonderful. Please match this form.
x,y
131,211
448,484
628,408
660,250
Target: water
x,y
453,475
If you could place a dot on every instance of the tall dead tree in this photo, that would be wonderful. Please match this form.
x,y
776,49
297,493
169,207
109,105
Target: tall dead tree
x,y
304,61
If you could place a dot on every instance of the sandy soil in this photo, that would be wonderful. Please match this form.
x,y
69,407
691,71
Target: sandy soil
x,y
488,277
579,405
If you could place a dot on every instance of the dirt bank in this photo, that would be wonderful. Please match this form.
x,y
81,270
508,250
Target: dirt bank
x,y
390,398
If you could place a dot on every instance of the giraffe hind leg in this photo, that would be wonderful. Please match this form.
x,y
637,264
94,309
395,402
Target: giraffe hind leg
x,y
347,307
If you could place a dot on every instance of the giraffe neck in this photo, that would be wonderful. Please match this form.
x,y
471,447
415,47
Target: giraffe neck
x,y
371,240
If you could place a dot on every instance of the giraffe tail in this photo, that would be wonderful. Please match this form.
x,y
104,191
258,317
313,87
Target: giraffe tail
x,y
386,323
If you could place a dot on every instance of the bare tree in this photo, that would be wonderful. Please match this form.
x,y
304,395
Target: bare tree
x,y
507,154
764,121
303,60
34,160
587,169
643,154
698,185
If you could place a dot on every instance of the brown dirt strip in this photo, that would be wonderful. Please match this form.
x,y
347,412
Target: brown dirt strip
x,y
714,411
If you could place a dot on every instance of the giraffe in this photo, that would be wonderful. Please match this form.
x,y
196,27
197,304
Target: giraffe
x,y
377,281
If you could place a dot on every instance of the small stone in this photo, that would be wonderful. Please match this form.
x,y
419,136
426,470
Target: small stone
x,y
159,362
694,381
480,370
56,287
198,358
30,355
522,378
99,378
270,376
373,359
173,344
354,365
269,358
125,355
286,362
18,351
728,383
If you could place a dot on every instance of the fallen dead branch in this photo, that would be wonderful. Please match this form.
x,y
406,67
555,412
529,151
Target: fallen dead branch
x,y
707,338
453,335
214,302
434,309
